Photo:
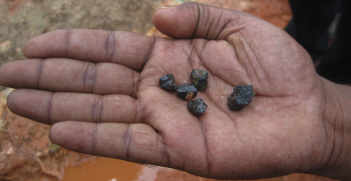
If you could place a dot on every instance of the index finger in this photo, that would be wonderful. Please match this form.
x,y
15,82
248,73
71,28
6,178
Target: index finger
x,y
125,48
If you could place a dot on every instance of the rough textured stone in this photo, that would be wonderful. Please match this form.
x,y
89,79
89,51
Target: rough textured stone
x,y
186,91
199,79
197,107
241,97
167,82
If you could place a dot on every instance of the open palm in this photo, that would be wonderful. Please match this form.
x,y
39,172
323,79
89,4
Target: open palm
x,y
103,97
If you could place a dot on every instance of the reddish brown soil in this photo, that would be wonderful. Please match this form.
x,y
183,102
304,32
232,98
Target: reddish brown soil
x,y
276,12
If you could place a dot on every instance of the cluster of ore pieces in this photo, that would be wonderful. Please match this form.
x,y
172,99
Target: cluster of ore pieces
x,y
188,91
241,96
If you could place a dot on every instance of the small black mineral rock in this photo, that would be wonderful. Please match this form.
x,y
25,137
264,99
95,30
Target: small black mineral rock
x,y
186,91
197,107
167,82
199,79
241,97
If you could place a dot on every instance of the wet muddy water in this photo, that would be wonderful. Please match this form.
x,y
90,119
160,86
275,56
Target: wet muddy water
x,y
108,169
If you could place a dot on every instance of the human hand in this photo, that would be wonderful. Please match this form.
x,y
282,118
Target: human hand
x,y
100,91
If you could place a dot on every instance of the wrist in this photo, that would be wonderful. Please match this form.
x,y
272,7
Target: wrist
x,y
337,118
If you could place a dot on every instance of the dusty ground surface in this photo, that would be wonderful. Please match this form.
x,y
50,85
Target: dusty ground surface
x,y
26,153
21,20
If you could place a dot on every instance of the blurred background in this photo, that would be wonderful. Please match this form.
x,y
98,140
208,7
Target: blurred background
x,y
26,153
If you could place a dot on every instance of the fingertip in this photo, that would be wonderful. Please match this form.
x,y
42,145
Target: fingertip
x,y
176,22
9,73
52,133
9,101
196,20
59,133
13,102
56,132
32,48
20,73
73,135
27,48
50,44
2,74
156,16
31,104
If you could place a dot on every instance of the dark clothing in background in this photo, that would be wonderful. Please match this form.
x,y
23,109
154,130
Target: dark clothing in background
x,y
310,24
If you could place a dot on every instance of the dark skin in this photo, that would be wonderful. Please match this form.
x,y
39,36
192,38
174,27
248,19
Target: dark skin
x,y
100,92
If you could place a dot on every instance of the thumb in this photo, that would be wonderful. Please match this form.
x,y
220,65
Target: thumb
x,y
195,20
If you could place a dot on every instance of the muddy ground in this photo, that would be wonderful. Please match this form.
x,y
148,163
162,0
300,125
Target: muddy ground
x,y
26,153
